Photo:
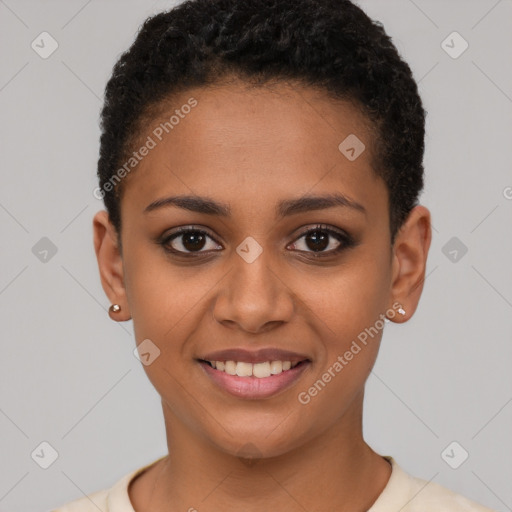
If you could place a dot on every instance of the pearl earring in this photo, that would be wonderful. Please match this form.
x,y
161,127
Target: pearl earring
x,y
115,308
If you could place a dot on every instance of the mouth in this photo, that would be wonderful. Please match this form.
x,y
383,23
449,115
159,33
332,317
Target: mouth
x,y
258,370
253,375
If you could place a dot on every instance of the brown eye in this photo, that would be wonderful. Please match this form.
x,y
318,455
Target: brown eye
x,y
187,240
321,239
317,240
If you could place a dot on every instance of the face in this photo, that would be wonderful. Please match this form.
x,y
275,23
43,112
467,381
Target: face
x,y
254,267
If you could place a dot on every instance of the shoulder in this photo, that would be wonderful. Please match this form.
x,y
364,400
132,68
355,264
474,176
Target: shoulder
x,y
408,493
90,503
113,499
432,496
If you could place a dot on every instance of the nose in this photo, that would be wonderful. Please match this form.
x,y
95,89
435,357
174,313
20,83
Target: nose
x,y
254,297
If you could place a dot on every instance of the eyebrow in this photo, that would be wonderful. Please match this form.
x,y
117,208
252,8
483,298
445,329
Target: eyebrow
x,y
284,208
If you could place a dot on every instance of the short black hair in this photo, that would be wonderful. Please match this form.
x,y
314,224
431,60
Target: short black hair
x,y
328,44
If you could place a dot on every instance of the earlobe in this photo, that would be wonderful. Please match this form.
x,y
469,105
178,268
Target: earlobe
x,y
410,253
110,265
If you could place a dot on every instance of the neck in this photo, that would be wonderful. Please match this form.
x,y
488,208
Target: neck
x,y
335,471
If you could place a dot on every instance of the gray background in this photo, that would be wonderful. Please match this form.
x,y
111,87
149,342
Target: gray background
x,y
68,375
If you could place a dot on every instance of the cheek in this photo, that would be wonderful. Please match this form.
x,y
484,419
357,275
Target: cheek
x,y
346,309
334,392
350,331
346,299
161,295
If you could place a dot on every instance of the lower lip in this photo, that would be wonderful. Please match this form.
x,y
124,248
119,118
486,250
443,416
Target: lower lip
x,y
254,387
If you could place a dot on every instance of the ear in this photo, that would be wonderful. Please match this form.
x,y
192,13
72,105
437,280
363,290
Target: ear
x,y
410,252
110,263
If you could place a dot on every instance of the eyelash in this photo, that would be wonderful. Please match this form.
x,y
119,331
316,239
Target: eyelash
x,y
345,239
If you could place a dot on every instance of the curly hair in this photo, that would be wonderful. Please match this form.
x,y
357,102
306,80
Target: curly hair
x,y
328,44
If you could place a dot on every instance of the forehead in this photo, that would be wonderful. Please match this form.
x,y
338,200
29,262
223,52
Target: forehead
x,y
256,143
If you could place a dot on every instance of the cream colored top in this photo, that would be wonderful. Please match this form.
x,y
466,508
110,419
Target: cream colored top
x,y
403,493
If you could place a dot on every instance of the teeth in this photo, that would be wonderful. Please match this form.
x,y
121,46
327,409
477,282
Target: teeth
x,y
244,369
230,367
259,370
276,367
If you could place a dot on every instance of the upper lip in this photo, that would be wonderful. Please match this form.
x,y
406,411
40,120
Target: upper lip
x,y
254,356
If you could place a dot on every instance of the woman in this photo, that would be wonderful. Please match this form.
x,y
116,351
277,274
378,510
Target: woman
x,y
261,164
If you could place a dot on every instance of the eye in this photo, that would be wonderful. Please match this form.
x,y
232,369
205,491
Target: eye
x,y
320,241
320,238
188,240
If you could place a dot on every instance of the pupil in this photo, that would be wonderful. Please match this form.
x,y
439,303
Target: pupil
x,y
319,239
193,241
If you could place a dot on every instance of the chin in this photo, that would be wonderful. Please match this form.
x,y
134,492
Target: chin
x,y
252,441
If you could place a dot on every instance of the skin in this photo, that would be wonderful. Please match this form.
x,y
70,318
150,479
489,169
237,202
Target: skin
x,y
250,148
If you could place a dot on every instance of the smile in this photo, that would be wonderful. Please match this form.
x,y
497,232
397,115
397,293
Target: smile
x,y
254,380
258,370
